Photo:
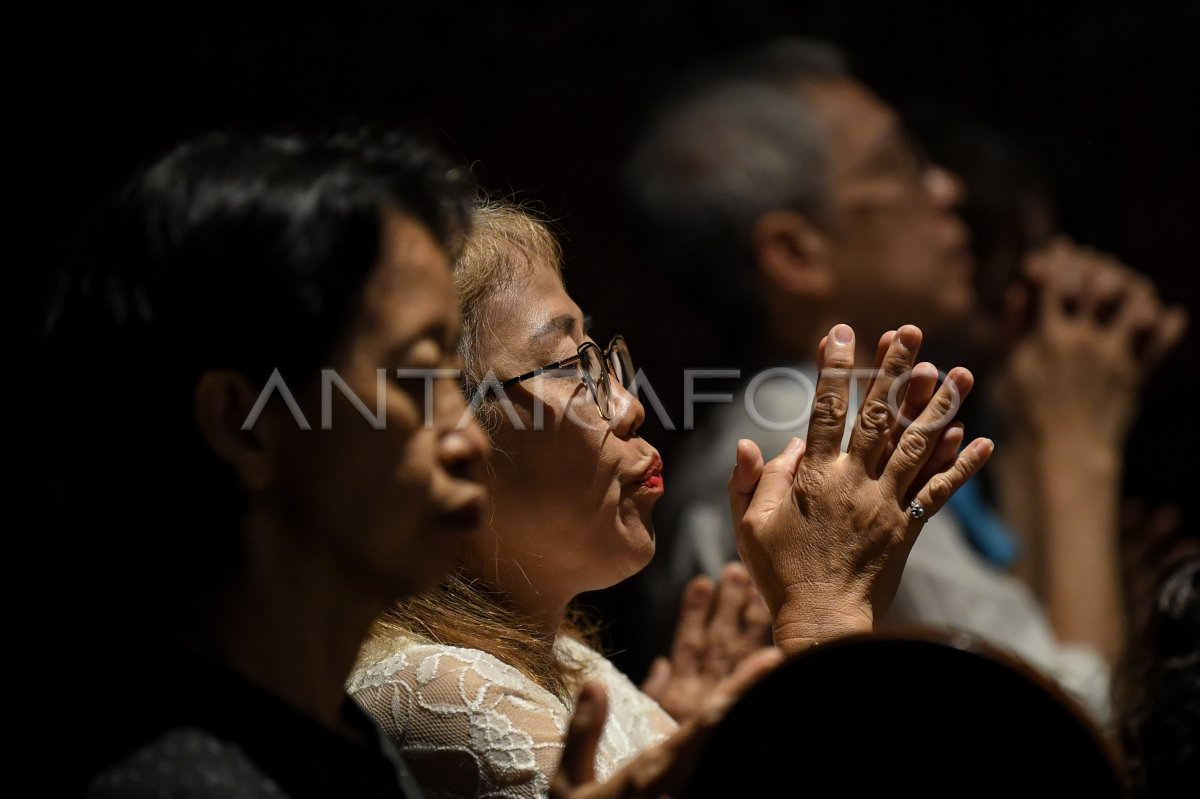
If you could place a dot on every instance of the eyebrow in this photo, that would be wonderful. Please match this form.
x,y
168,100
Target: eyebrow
x,y
562,325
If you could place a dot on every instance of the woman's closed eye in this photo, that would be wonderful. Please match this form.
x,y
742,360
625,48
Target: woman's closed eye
x,y
427,353
564,372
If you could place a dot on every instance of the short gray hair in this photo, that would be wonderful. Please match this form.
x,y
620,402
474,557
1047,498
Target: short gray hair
x,y
728,156
735,146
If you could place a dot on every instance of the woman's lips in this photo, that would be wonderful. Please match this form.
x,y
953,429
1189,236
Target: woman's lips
x,y
652,478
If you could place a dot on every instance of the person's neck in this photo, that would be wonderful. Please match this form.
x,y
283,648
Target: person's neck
x,y
530,597
291,624
544,610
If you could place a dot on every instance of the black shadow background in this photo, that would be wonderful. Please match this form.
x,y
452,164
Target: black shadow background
x,y
544,98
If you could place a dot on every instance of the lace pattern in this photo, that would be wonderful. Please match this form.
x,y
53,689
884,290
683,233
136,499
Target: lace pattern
x,y
472,726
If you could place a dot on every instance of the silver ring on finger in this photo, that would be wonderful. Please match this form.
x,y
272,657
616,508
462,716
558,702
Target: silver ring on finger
x,y
917,511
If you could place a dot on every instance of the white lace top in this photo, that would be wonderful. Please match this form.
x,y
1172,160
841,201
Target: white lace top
x,y
472,726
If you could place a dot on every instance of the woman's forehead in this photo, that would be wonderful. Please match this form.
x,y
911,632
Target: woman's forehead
x,y
538,306
411,282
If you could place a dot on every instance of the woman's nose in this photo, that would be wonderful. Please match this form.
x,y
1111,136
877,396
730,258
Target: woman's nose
x,y
463,450
462,446
945,187
628,412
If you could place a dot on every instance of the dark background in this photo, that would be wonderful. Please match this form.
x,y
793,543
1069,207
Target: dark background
x,y
544,99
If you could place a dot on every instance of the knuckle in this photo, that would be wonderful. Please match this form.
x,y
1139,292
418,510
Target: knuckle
x,y
946,400
845,505
828,408
913,445
939,488
837,359
941,409
876,416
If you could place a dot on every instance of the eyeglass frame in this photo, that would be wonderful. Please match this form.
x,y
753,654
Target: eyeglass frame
x,y
575,360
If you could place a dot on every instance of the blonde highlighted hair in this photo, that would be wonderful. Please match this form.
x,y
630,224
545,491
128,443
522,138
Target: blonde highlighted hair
x,y
506,242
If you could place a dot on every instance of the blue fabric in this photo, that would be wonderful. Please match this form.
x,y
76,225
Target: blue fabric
x,y
986,532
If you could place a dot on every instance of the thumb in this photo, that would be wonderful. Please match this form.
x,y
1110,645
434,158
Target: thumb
x,y
578,764
775,481
746,473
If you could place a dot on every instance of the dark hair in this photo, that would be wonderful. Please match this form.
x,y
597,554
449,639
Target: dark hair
x,y
789,61
1159,692
249,253
734,142
506,244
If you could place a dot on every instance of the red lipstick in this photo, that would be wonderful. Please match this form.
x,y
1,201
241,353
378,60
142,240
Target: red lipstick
x,y
652,479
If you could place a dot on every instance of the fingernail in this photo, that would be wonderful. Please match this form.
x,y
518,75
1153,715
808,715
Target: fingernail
x,y
910,337
793,446
842,334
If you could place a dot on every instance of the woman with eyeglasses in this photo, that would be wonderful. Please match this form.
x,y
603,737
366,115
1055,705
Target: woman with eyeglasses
x,y
476,682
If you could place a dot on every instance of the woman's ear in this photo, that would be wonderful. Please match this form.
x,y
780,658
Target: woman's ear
x,y
223,400
792,254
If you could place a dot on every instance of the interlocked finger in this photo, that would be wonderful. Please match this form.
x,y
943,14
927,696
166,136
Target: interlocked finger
x,y
881,351
832,399
917,444
922,382
938,489
874,426
945,452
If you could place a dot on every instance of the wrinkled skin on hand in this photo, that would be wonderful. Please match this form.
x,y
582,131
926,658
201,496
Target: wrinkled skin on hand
x,y
825,533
